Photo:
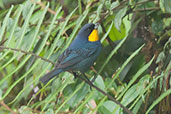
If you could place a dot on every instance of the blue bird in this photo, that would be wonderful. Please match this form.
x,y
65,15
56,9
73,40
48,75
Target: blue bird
x,y
80,55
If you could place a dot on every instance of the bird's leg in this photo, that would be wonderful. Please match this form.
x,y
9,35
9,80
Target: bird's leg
x,y
90,83
75,75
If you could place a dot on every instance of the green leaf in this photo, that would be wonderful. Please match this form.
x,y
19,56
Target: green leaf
x,y
0,94
36,16
131,94
25,110
111,54
82,106
127,22
5,22
115,34
118,18
114,5
108,108
26,9
107,4
1,4
108,31
157,26
100,83
165,5
137,106
160,57
162,96
49,111
83,90
16,19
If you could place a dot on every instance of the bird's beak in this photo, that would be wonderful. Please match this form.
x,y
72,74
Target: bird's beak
x,y
96,25
93,37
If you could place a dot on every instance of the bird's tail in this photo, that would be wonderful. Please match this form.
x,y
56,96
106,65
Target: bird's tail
x,y
50,75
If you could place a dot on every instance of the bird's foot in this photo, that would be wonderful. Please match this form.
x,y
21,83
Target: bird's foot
x,y
75,75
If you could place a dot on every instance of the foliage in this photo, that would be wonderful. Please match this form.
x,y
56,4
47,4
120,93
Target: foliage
x,y
134,65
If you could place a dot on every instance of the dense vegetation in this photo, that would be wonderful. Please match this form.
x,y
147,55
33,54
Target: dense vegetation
x,y
134,66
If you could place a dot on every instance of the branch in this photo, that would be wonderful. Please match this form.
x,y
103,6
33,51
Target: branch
x,y
43,6
147,9
143,2
3,41
7,107
104,93
27,53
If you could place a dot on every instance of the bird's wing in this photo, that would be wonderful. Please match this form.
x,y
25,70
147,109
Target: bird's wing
x,y
71,57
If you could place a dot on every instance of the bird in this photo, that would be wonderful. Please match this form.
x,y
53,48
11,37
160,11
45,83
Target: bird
x,y
80,55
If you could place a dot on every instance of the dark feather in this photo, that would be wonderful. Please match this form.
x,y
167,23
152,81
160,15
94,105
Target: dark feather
x,y
72,57
50,75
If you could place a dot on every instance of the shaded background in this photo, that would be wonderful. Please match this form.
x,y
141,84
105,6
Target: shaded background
x,y
139,77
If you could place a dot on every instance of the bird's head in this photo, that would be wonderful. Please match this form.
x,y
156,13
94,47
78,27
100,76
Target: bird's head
x,y
90,32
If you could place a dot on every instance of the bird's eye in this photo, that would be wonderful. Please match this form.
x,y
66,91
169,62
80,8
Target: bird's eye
x,y
88,29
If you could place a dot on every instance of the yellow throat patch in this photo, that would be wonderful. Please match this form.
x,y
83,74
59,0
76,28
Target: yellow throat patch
x,y
93,37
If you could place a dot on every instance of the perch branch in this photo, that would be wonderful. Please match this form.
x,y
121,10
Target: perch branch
x,y
19,50
104,93
7,107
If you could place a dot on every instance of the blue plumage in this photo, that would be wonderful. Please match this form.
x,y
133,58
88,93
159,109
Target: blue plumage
x,y
79,56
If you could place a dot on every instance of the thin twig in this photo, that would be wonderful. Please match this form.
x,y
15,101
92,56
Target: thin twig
x,y
143,2
104,93
147,9
43,6
121,4
7,107
19,50
3,41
